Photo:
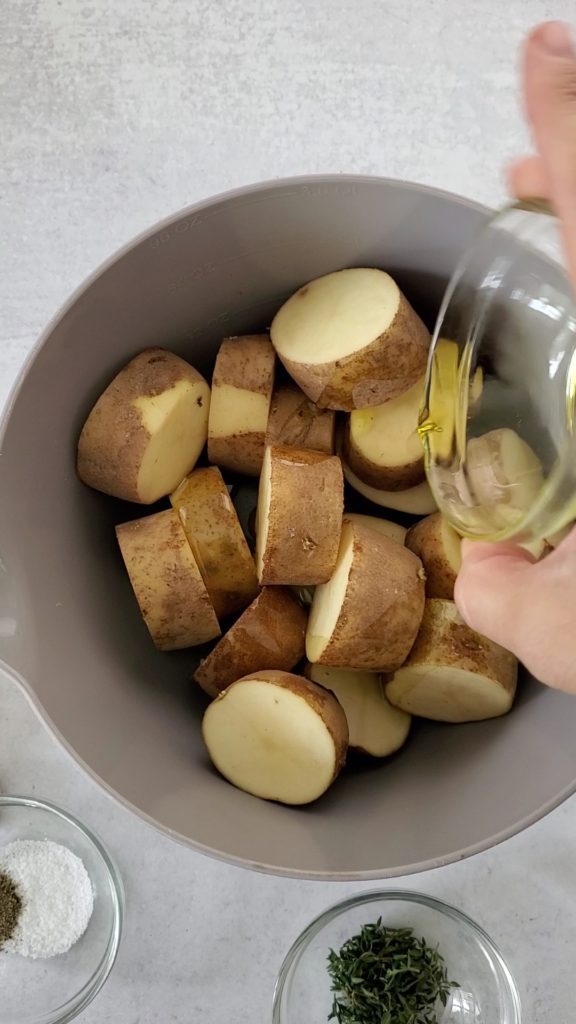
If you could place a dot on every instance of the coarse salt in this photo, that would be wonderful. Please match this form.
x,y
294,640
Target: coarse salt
x,y
56,893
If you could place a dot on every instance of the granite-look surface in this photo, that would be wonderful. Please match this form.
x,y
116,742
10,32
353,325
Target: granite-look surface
x,y
114,113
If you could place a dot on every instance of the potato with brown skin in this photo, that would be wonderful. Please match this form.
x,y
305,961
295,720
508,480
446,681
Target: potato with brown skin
x,y
166,581
417,501
299,518
269,633
381,444
438,547
375,727
385,526
219,546
147,429
277,736
351,339
368,614
453,674
242,385
296,422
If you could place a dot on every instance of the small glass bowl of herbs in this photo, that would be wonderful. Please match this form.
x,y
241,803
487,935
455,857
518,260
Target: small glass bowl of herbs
x,y
395,957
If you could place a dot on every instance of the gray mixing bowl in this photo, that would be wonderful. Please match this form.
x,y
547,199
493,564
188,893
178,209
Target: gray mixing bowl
x,y
69,625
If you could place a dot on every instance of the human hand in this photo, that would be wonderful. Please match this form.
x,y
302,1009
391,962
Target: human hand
x,y
529,607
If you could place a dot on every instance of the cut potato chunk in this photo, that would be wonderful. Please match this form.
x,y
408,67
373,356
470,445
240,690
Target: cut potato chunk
x,y
444,389
241,394
214,533
277,736
375,727
300,506
382,445
438,547
269,633
452,673
351,339
296,422
418,501
368,614
147,429
167,582
503,470
385,526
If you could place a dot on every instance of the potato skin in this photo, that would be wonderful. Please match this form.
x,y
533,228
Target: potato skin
x,y
269,634
386,478
296,422
444,641
166,581
214,533
246,363
384,369
113,439
307,505
425,540
383,606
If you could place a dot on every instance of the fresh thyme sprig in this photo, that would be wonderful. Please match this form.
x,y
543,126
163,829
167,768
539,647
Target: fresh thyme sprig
x,y
387,976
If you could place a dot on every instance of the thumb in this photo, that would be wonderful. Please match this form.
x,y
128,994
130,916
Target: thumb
x,y
550,96
490,590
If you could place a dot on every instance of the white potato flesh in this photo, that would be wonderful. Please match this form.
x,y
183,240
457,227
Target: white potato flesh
x,y
328,600
447,694
387,435
263,512
335,316
176,421
271,742
385,526
237,411
417,501
375,727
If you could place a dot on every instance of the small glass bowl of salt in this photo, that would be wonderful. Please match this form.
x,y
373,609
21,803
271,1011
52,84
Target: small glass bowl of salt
x,y
62,911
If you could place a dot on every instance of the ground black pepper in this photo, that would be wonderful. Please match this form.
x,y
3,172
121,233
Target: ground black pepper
x,y
10,907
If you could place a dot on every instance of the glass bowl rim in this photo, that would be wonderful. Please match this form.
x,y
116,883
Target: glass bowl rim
x,y
78,1002
506,983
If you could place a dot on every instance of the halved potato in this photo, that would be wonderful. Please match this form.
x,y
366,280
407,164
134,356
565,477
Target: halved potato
x,y
453,674
502,469
385,526
382,445
300,505
269,633
242,386
368,614
167,582
438,547
375,727
146,430
212,528
351,339
296,422
277,736
418,501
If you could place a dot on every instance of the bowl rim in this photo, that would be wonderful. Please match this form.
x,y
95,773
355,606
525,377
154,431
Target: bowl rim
x,y
90,989
506,982
165,223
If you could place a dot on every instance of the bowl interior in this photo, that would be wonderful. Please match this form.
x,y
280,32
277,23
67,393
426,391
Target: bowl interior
x,y
55,990
69,624
485,990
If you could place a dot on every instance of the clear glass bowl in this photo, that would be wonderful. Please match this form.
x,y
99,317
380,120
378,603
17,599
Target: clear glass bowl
x,y
498,423
487,993
56,990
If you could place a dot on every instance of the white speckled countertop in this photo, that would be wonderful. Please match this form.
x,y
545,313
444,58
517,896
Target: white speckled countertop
x,y
114,113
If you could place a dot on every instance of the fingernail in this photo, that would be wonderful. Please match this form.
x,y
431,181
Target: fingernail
x,y
555,38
